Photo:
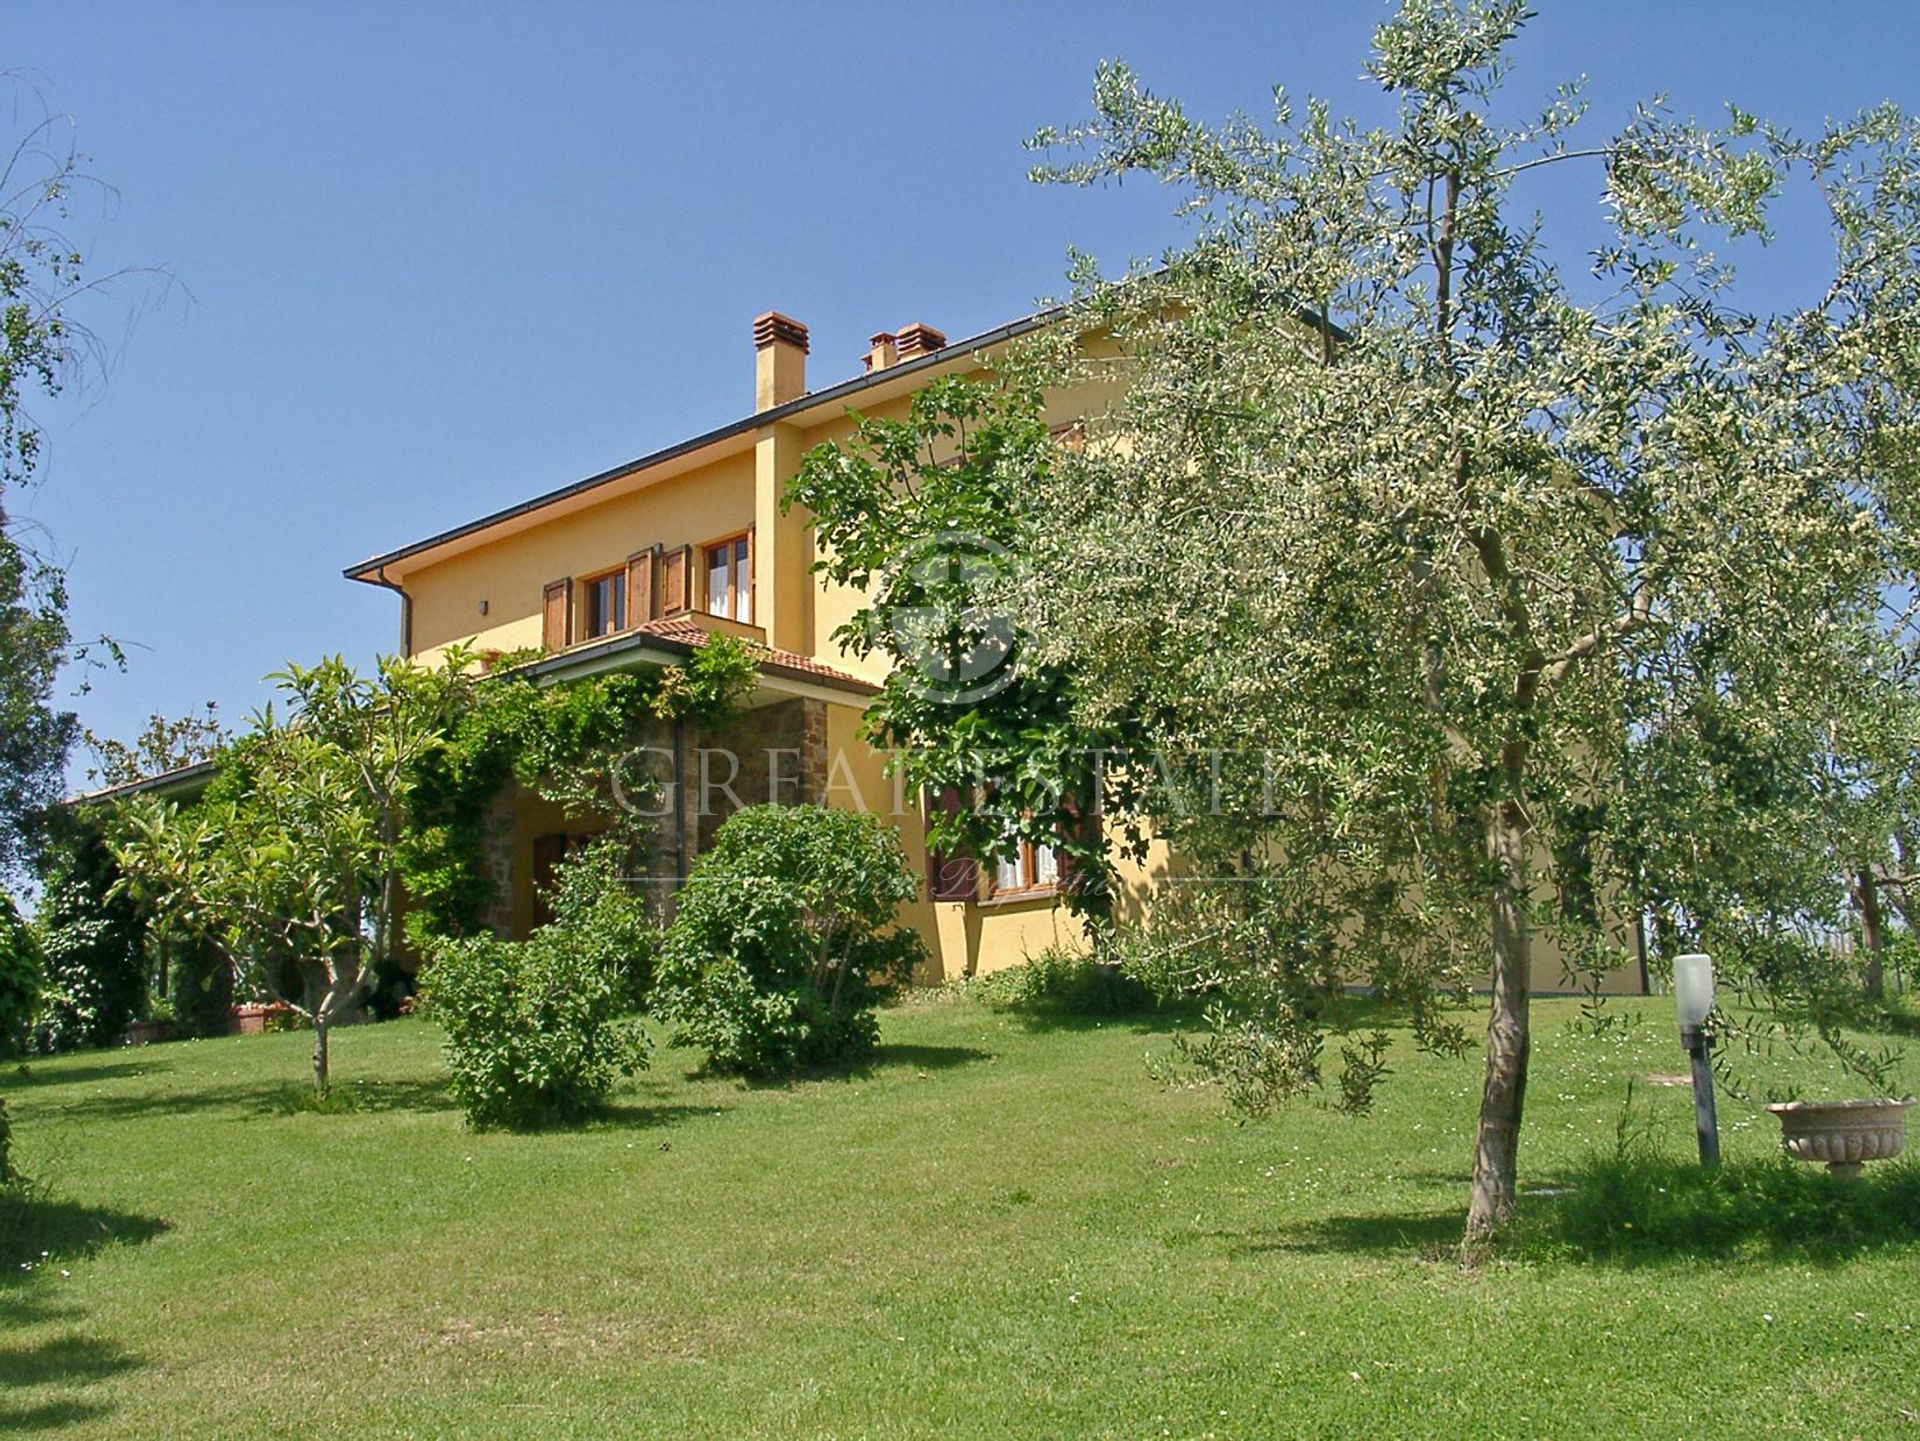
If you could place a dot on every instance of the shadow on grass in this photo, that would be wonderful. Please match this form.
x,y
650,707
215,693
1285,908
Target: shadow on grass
x,y
48,1416
351,1096
36,1231
1642,1210
639,1116
33,1075
70,1360
1049,1016
923,1058
64,1363
266,1098
1424,1234
1653,1209
884,1058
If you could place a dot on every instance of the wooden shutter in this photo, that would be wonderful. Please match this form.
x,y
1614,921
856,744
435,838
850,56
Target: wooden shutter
x,y
953,877
1078,827
640,587
557,610
676,572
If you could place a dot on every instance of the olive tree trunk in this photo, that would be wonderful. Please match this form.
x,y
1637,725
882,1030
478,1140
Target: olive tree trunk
x,y
1503,1093
1873,936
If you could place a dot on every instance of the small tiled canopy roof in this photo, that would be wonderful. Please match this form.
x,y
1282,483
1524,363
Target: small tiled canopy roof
x,y
691,633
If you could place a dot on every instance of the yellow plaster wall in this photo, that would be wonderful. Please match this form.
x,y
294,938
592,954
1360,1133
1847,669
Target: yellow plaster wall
x,y
962,939
510,574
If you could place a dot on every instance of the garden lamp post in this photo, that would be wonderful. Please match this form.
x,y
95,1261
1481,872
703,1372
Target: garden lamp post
x,y
1693,990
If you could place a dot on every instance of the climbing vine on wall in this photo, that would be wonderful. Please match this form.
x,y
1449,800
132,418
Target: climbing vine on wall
x,y
565,742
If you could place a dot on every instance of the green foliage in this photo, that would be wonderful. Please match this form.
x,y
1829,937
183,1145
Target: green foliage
x,y
566,742
606,919
42,346
93,938
290,857
34,735
784,939
167,743
1067,985
20,979
929,517
199,985
1523,583
538,1030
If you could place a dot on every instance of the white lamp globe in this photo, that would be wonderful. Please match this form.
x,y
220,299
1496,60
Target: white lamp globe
x,y
1693,989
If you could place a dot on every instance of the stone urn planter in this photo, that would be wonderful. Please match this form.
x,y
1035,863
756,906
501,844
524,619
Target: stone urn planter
x,y
1843,1134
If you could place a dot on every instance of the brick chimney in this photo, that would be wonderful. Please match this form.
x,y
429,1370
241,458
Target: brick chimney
x,y
779,360
882,350
918,339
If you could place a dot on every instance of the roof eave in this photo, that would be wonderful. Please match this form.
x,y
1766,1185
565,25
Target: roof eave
x,y
182,780
371,571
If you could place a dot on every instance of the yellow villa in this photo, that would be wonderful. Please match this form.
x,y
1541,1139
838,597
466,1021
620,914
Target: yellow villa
x,y
640,564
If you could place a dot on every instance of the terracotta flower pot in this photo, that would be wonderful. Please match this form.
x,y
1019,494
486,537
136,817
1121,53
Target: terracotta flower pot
x,y
1843,1134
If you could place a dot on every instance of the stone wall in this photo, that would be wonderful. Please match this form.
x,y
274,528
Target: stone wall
x,y
774,753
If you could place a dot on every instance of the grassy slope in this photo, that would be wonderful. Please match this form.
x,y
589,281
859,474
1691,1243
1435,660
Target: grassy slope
x,y
1000,1231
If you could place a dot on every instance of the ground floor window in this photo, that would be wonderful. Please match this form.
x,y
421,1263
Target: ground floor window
x,y
1030,868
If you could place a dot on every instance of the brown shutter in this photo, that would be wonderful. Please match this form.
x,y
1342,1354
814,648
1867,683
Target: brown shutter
x,y
557,609
1078,827
640,587
952,877
676,569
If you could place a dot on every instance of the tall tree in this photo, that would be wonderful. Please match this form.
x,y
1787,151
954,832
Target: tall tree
x,y
40,350
928,515
1440,515
166,743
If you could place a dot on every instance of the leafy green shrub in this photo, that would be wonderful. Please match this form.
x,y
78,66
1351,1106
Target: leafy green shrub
x,y
93,941
533,1035
604,919
784,940
1066,983
538,1030
20,979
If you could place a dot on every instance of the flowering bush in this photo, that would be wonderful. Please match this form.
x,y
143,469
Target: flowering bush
x,y
20,979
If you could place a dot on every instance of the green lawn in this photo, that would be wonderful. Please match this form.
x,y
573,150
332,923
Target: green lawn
x,y
1004,1229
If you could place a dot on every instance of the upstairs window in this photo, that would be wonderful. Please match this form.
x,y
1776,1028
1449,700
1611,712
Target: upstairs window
x,y
606,604
729,570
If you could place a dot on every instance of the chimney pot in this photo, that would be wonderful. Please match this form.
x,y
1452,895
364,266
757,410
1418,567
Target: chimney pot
x,y
882,350
918,339
780,359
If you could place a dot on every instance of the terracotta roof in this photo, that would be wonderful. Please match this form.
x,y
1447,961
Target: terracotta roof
x,y
679,629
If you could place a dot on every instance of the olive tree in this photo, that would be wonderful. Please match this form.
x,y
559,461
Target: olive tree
x,y
1448,523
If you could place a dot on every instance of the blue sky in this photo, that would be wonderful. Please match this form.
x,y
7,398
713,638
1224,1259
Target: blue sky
x,y
430,259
